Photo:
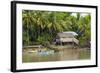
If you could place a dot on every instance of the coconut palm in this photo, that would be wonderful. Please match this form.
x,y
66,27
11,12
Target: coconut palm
x,y
42,26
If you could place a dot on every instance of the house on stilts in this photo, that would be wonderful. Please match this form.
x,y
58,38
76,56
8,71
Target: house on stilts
x,y
67,38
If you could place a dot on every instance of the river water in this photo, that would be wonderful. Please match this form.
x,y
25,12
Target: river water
x,y
66,54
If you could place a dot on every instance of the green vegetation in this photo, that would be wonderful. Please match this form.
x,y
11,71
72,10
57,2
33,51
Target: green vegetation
x,y
41,27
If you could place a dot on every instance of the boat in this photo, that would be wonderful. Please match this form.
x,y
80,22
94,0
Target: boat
x,y
32,51
46,52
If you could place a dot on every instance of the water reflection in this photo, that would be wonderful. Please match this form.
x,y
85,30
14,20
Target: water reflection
x,y
65,54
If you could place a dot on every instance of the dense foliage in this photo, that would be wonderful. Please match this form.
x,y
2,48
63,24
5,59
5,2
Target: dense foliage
x,y
42,26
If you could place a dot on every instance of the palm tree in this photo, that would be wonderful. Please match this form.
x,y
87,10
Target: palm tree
x,y
44,25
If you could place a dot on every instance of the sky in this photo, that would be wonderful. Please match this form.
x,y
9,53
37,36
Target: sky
x,y
82,14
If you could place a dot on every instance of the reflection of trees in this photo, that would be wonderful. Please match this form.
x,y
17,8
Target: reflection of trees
x,y
69,54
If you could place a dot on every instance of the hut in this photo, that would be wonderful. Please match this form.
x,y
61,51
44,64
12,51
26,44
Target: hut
x,y
68,37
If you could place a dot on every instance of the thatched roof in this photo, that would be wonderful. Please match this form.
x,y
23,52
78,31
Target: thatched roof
x,y
67,34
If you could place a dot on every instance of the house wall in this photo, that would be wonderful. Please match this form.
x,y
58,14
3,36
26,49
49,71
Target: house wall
x,y
69,40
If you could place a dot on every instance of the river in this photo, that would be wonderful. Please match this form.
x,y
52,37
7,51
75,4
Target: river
x,y
66,54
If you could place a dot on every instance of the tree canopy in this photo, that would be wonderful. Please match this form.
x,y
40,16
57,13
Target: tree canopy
x,y
43,26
